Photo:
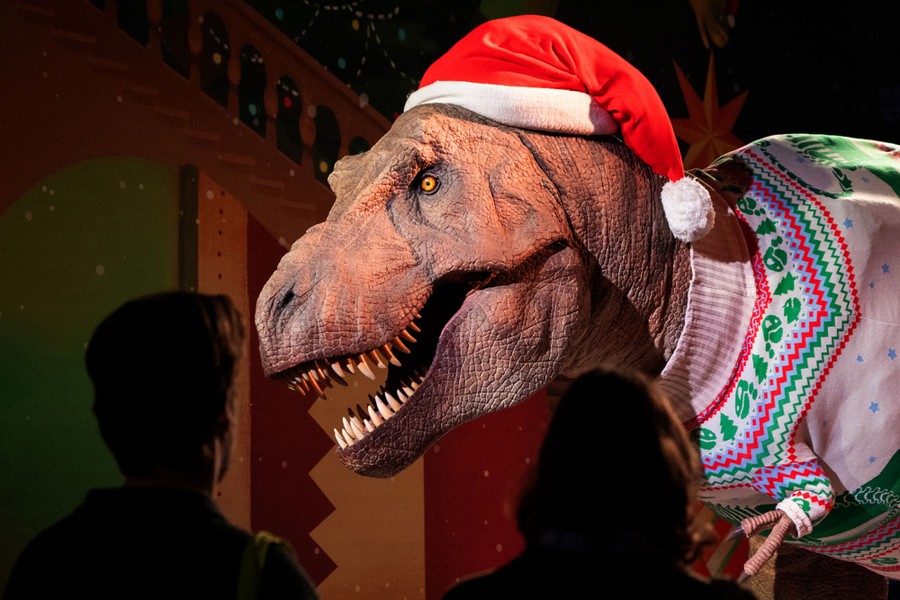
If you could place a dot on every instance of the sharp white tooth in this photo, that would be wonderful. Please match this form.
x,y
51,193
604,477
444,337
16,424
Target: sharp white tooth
x,y
377,359
418,316
350,366
350,439
336,374
357,428
322,372
414,385
337,369
369,427
376,418
348,428
340,439
385,412
339,379
364,367
305,376
314,385
408,391
400,396
414,327
386,350
313,374
400,345
407,336
392,402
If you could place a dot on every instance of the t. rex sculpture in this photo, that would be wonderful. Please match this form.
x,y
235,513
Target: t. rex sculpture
x,y
475,259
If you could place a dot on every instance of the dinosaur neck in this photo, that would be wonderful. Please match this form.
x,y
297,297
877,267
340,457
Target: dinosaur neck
x,y
640,275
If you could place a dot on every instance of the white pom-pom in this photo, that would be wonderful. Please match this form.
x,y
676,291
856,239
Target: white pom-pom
x,y
688,209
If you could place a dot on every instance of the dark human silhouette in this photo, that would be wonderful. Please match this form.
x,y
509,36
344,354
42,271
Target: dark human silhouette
x,y
613,435
163,368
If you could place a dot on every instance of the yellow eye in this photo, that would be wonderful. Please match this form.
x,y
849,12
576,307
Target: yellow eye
x,y
428,184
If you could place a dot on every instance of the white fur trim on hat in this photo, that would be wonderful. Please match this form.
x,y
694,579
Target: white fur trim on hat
x,y
688,208
543,109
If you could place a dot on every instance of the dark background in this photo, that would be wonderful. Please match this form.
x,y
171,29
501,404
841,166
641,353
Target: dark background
x,y
807,67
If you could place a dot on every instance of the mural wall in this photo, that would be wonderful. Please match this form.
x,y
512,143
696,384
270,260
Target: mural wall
x,y
58,283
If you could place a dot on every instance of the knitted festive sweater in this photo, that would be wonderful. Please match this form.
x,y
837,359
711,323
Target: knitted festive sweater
x,y
787,370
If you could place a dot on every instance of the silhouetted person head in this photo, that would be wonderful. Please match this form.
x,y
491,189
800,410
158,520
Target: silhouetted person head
x,y
616,468
163,368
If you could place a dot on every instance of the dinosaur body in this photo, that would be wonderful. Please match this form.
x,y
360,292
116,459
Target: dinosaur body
x,y
514,257
796,405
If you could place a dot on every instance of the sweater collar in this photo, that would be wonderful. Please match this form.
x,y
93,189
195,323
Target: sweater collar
x,y
719,308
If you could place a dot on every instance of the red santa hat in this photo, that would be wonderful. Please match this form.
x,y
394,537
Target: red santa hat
x,y
534,72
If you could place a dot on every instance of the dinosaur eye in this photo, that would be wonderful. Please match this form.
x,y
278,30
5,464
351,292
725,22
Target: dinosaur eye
x,y
429,184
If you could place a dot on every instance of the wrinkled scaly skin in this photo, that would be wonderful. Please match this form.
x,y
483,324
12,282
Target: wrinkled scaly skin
x,y
585,269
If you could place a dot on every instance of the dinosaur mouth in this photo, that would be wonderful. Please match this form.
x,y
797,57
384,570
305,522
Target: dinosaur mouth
x,y
406,358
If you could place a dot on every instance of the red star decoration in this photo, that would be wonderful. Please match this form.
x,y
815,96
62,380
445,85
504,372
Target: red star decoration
x,y
708,130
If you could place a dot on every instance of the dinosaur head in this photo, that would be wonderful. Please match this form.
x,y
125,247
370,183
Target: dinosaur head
x,y
496,237
445,268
